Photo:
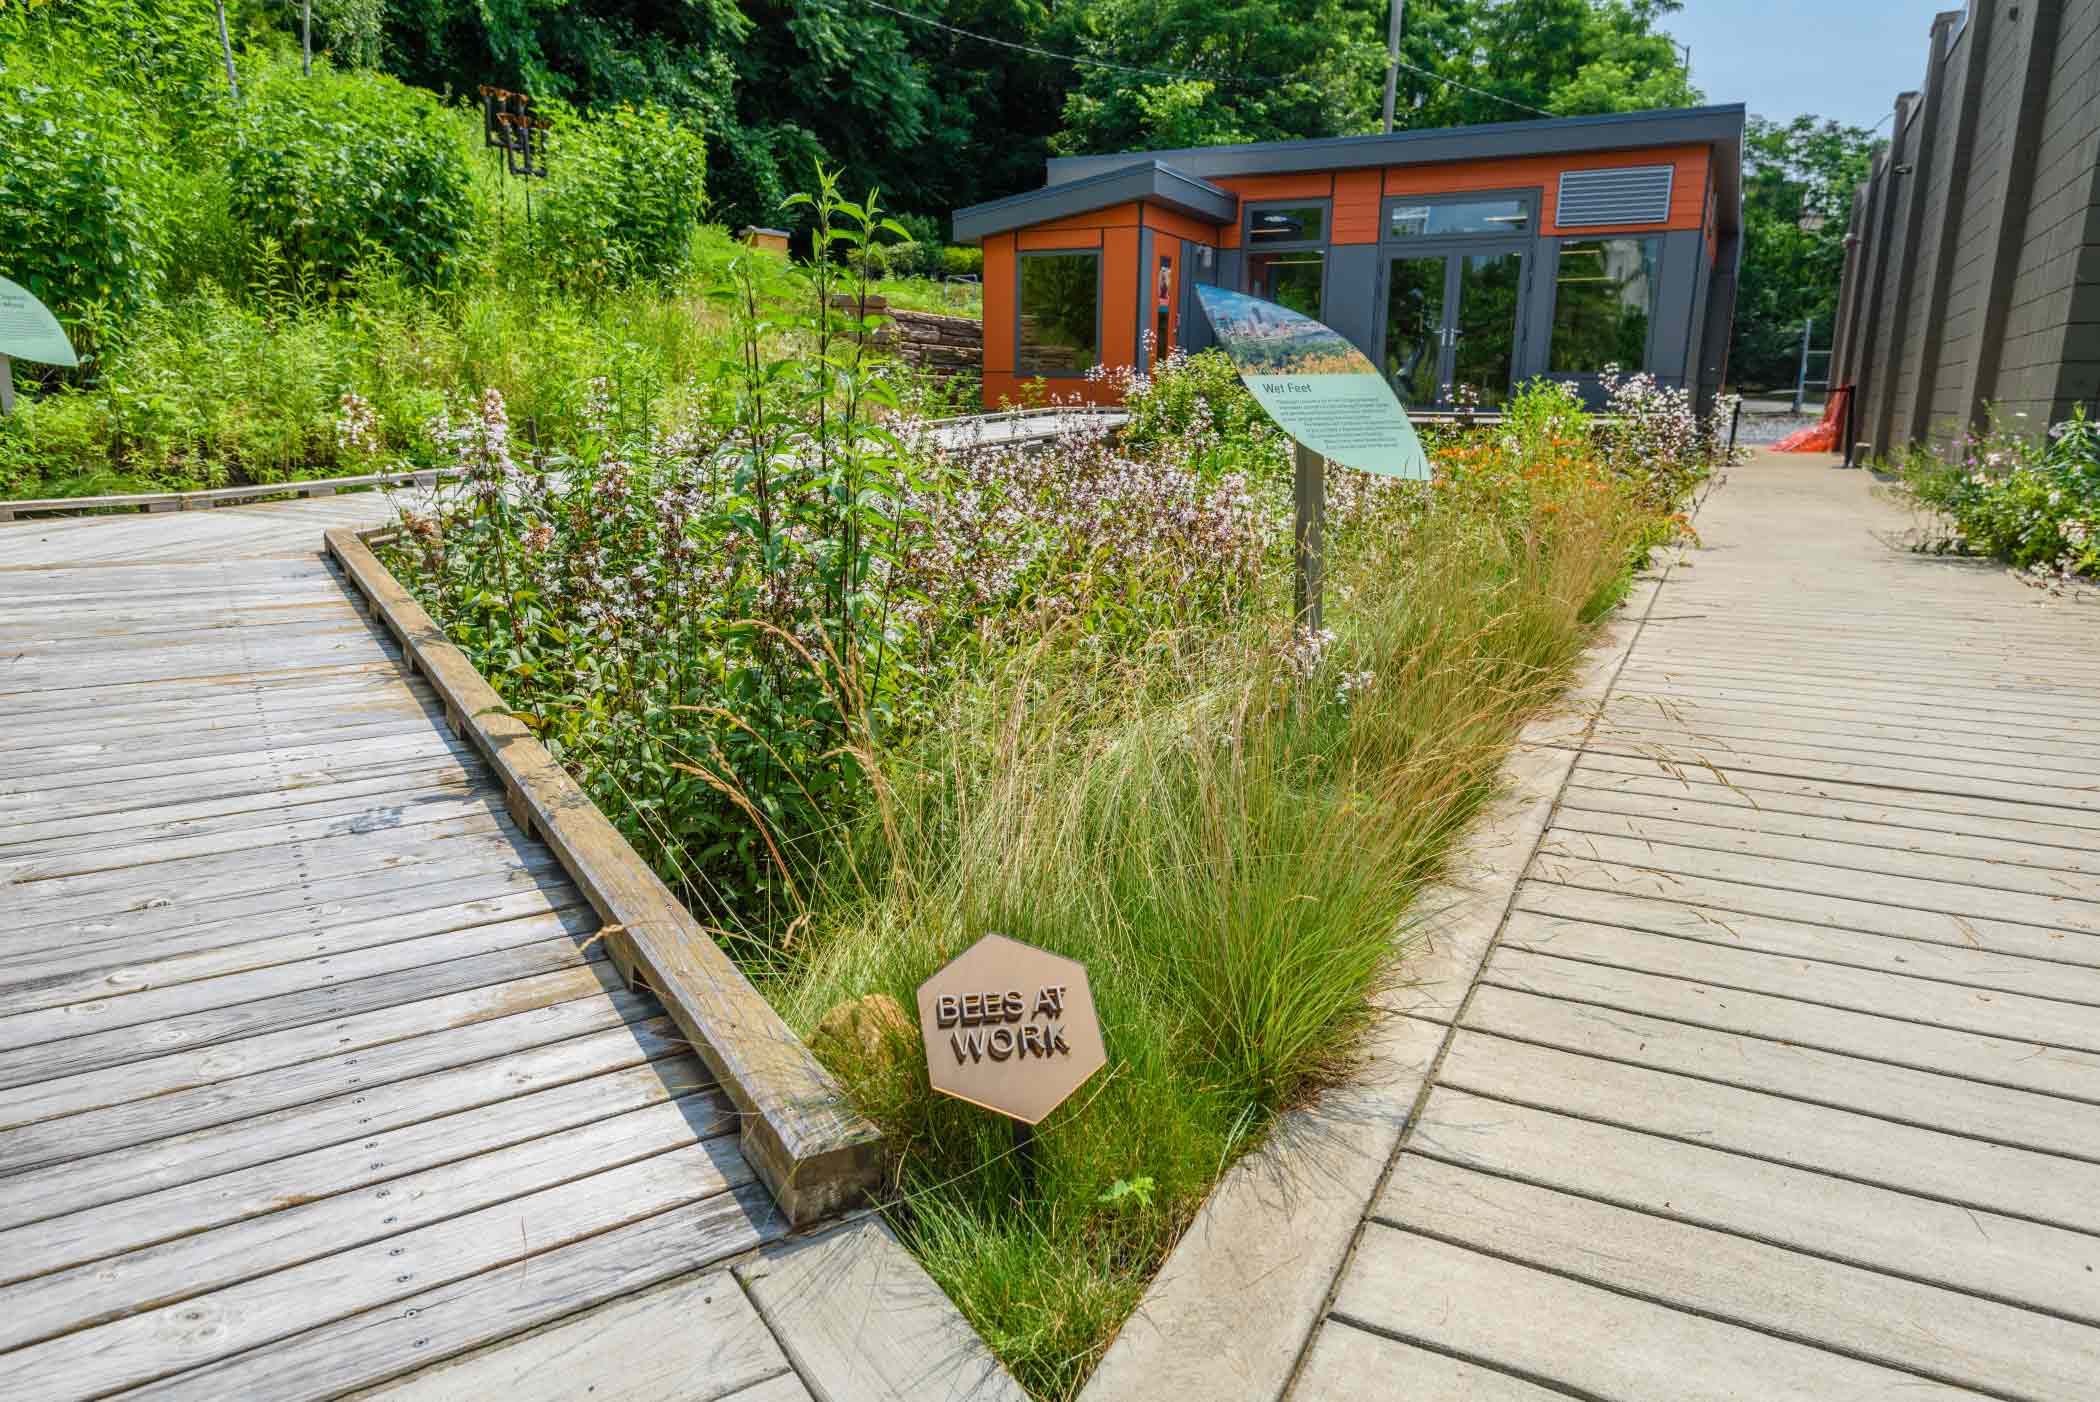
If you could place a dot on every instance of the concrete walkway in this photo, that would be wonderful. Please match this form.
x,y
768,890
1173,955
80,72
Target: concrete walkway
x,y
1782,1076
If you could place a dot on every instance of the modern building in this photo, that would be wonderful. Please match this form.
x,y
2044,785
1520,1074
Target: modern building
x,y
1972,263
1461,259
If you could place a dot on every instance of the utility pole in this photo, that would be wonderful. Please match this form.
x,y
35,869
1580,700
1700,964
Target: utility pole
x,y
306,37
1392,66
233,84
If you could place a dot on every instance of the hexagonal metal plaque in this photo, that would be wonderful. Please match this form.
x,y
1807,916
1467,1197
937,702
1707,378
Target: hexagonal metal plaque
x,y
1010,1027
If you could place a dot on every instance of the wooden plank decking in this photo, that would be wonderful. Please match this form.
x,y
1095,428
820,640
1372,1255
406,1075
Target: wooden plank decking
x,y
1782,1079
310,1075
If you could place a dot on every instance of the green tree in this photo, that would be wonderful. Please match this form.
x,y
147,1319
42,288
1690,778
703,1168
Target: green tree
x,y
1518,58
1268,70
1797,199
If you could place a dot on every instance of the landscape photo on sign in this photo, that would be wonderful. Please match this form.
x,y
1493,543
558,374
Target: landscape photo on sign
x,y
28,331
1319,388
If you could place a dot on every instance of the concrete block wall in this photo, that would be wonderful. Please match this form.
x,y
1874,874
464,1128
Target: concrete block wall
x,y
1972,275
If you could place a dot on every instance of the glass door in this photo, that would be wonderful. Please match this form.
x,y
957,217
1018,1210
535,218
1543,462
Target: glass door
x,y
1484,330
1414,330
1451,322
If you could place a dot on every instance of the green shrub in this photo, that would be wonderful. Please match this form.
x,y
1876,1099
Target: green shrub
x,y
343,166
81,189
624,195
962,260
2033,502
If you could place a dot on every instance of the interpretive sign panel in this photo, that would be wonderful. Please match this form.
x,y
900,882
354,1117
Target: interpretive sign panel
x,y
28,331
1320,389
1010,1027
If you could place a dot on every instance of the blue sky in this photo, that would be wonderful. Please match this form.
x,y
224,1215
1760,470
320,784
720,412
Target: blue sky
x,y
1845,59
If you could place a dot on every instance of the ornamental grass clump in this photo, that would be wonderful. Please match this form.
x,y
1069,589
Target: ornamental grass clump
x,y
1227,822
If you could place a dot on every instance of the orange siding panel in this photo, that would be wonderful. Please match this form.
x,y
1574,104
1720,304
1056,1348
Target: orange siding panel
x,y
1313,185
1356,196
1121,216
1044,236
1120,291
999,289
1542,173
1180,225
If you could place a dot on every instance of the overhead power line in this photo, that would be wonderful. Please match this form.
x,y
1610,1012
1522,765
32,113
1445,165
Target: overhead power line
x,y
1195,75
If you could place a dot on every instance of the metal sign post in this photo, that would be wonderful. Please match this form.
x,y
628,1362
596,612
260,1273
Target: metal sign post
x,y
1308,581
7,385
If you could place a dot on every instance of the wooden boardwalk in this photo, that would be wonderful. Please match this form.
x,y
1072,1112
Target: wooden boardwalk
x,y
310,1075
1782,1079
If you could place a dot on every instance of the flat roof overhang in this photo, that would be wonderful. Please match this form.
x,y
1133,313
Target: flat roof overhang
x,y
1719,127
1121,180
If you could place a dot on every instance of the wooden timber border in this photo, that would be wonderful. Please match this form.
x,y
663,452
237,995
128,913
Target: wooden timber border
x,y
810,1148
225,496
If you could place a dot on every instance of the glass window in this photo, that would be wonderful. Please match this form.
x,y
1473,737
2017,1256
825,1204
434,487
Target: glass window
x,y
1306,223
1060,303
1603,304
1436,218
1291,279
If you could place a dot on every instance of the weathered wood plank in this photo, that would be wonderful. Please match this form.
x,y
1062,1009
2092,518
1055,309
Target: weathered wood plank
x,y
695,1339
208,1085
132,1224
1902,1325
313,1235
1936,807
1913,998
1954,960
308,1111
1967,1172
1346,1361
106,976
402,811
1723,900
206,1026
1976,839
423,1328
278,861
1900,1234
2035,1066
1931,1100
1428,1291
859,1318
315,904
152,820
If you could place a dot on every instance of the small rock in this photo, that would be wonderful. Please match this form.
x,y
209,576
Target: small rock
x,y
872,1029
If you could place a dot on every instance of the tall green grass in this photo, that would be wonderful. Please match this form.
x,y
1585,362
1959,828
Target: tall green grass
x,y
1230,839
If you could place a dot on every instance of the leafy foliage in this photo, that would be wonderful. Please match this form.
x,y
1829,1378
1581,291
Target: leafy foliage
x,y
623,198
341,167
2030,500
1797,201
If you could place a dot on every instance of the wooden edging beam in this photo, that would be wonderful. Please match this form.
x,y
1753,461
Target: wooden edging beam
x,y
810,1148
226,496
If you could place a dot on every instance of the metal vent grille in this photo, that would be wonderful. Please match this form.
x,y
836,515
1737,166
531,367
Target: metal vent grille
x,y
1628,195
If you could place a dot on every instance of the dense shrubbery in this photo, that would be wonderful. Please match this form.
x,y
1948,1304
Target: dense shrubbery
x,y
622,200
344,169
2031,501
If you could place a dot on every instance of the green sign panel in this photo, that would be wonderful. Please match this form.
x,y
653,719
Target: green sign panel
x,y
1320,389
28,331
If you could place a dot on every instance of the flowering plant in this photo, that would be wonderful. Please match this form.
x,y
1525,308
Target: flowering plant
x,y
2032,501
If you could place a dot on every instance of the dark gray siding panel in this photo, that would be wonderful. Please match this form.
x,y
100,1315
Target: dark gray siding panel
x,y
1976,284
